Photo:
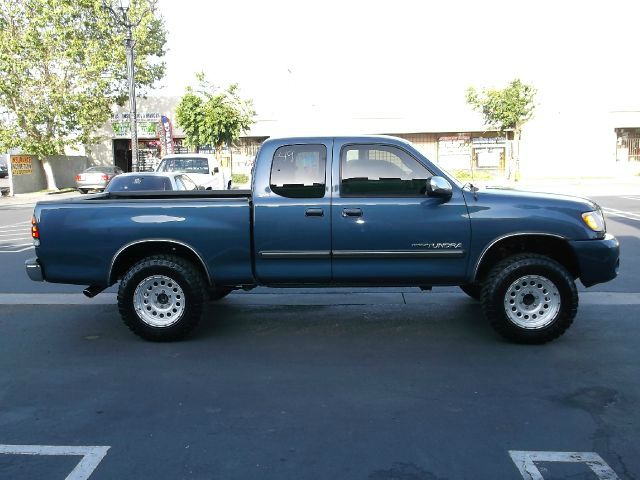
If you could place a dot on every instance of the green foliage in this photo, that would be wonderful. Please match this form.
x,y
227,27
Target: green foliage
x,y
507,108
239,178
467,175
63,65
210,116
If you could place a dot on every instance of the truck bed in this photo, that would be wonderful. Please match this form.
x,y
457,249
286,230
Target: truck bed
x,y
80,238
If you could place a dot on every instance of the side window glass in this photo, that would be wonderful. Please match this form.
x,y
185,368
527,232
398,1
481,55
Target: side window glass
x,y
179,184
298,171
381,170
188,183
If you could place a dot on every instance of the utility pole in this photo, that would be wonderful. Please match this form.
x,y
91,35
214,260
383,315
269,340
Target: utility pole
x,y
129,44
122,18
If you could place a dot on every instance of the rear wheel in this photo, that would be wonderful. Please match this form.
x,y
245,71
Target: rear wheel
x,y
161,298
530,298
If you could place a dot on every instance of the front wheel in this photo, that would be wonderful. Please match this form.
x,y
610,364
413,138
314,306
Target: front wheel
x,y
530,298
161,298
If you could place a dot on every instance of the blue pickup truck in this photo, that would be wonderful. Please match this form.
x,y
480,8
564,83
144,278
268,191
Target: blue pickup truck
x,y
340,211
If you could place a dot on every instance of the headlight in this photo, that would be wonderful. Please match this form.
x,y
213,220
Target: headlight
x,y
594,220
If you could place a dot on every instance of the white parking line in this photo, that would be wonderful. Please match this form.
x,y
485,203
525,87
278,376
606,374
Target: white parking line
x,y
91,456
311,299
9,236
621,213
525,461
28,222
15,229
637,199
19,250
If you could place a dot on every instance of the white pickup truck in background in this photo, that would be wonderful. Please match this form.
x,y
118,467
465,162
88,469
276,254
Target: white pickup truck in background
x,y
203,169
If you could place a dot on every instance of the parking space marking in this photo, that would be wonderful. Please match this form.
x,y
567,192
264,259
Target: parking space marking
x,y
309,299
633,198
621,213
16,237
91,456
525,461
24,249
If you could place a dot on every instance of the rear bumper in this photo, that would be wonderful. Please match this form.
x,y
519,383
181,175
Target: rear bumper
x,y
92,185
598,260
34,270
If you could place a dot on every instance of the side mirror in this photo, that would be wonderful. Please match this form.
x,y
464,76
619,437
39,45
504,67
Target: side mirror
x,y
215,170
439,187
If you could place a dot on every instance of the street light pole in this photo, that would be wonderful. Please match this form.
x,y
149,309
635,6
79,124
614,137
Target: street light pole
x,y
129,44
123,19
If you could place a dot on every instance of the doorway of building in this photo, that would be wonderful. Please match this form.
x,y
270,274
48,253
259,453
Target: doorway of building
x,y
122,154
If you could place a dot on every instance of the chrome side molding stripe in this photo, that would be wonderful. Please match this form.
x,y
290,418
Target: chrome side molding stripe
x,y
283,254
310,254
452,253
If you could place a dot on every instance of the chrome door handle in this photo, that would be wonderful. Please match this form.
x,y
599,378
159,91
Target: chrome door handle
x,y
314,212
351,212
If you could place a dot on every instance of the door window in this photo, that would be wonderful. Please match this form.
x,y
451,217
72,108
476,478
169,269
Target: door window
x,y
188,183
298,171
381,170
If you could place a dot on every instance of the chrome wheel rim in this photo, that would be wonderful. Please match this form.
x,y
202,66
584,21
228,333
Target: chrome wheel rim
x,y
159,301
532,302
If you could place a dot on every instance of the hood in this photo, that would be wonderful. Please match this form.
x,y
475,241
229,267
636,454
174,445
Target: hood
x,y
515,197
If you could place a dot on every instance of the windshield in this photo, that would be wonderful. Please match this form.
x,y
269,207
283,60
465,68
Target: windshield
x,y
185,165
137,183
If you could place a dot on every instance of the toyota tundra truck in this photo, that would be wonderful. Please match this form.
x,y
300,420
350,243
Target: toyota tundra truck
x,y
368,211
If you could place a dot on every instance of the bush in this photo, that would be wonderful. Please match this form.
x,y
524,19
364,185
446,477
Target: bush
x,y
239,178
465,175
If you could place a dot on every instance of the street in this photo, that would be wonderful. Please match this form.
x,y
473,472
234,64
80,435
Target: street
x,y
376,384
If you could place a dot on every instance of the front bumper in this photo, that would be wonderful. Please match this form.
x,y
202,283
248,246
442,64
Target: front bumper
x,y
34,270
598,260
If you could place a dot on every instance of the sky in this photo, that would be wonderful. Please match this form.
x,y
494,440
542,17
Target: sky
x,y
405,58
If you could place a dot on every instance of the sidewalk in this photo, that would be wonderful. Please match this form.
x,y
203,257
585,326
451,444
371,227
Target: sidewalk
x,y
32,198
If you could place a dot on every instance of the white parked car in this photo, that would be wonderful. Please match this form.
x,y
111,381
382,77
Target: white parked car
x,y
203,169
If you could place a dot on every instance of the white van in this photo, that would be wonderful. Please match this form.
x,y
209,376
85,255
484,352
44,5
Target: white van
x,y
203,169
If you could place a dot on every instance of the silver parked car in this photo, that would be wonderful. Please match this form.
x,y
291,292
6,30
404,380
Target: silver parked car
x,y
96,178
148,181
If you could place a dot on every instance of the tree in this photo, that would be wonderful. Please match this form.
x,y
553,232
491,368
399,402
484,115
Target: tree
x,y
209,115
63,66
506,109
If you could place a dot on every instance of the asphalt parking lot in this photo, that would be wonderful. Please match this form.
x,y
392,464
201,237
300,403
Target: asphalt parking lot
x,y
357,384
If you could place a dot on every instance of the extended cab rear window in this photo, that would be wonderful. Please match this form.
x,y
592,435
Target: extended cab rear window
x,y
381,170
298,171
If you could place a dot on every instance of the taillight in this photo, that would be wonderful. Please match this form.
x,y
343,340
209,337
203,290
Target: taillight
x,y
105,176
78,177
34,228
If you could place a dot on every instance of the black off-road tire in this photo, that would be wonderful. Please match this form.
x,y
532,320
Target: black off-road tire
x,y
505,273
185,274
474,290
218,293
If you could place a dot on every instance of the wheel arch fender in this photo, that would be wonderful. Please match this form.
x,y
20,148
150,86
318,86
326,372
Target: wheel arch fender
x,y
132,252
552,245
